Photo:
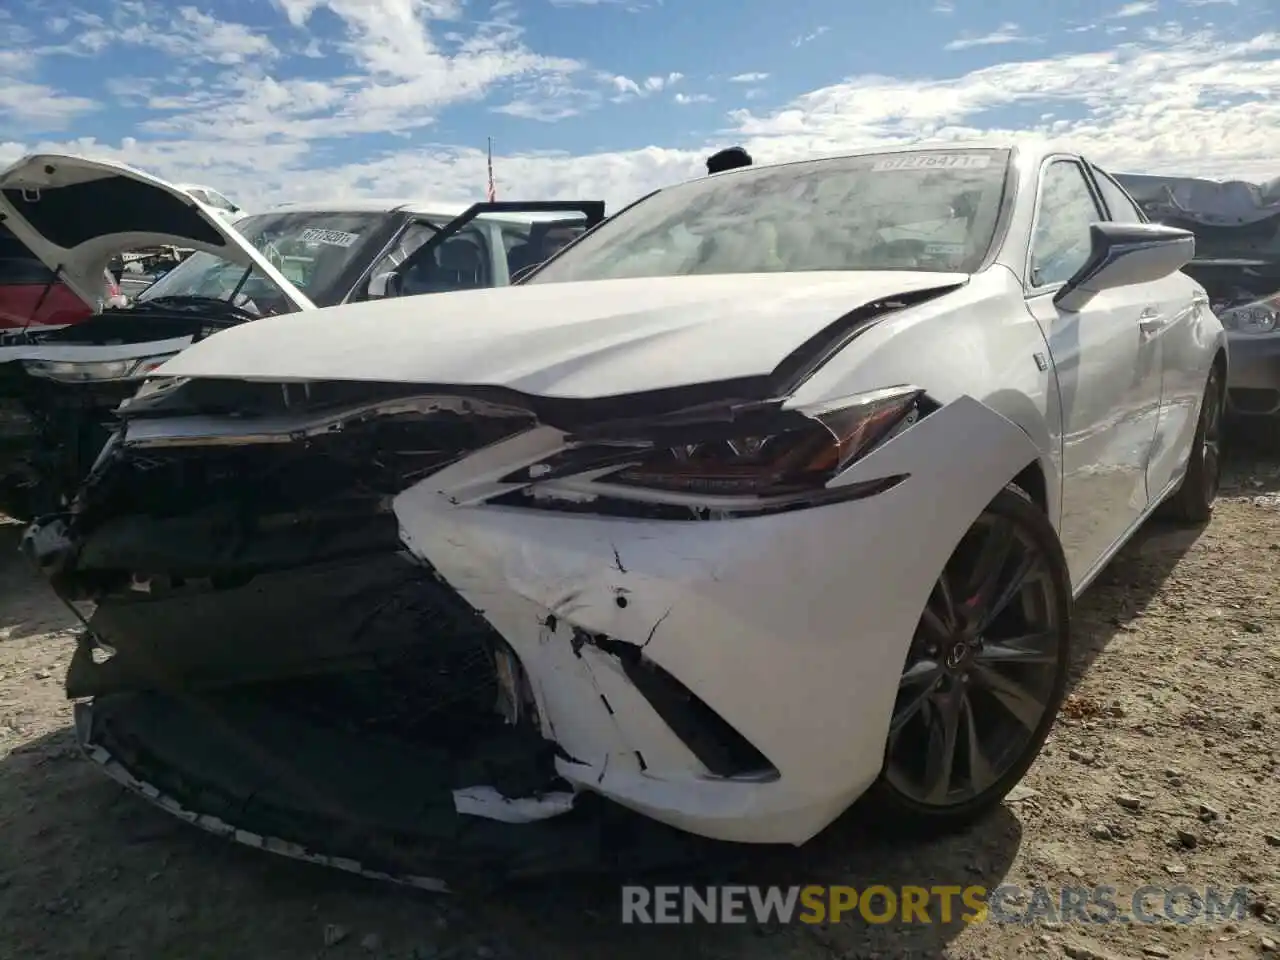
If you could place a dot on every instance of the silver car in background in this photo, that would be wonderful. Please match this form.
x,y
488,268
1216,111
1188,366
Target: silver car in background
x,y
1237,230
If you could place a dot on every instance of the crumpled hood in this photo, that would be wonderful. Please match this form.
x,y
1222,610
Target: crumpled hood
x,y
566,340
1226,203
1233,220
75,214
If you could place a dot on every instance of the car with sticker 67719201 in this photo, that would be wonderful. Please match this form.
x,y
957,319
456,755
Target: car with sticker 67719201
x,y
771,494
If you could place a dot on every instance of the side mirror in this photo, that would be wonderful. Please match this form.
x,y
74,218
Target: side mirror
x,y
1122,254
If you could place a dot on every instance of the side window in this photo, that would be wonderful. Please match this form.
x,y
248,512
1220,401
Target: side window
x,y
513,234
414,236
1121,208
218,200
1066,211
517,248
460,263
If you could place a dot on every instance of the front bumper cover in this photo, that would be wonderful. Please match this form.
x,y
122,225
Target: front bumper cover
x,y
791,628
1253,383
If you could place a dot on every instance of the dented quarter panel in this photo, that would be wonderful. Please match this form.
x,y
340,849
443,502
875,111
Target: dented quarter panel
x,y
709,602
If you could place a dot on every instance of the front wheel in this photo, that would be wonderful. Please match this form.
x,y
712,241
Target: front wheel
x,y
985,674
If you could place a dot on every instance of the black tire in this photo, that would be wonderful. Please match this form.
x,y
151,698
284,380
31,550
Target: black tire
x,y
986,678
1192,502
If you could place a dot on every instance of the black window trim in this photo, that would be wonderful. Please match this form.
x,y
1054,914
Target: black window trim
x,y
1099,175
1099,206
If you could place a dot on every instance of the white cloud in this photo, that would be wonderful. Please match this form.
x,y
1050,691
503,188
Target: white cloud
x,y
627,89
1169,101
34,106
800,41
944,6
184,33
687,98
1005,33
749,78
1138,9
13,62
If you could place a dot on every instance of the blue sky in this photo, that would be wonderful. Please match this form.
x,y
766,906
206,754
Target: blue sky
x,y
274,99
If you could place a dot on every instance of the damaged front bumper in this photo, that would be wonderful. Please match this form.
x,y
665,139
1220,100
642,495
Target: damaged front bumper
x,y
732,678
343,641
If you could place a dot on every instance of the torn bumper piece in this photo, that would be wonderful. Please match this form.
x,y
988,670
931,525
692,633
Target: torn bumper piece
x,y
377,811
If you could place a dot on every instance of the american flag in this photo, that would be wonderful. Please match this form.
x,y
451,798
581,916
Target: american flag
x,y
493,190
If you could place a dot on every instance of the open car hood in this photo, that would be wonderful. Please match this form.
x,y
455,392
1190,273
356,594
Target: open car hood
x,y
75,214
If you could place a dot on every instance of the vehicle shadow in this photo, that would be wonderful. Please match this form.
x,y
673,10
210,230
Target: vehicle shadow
x,y
89,870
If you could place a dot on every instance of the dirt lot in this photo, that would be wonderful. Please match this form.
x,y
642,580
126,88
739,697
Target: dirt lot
x,y
1175,711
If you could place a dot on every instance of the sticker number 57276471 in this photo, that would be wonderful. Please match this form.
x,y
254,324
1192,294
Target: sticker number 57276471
x,y
933,161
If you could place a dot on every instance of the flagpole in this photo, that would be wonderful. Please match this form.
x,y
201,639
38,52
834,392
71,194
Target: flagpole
x,y
492,192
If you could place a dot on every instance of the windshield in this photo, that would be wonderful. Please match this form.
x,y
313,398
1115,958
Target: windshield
x,y
311,249
927,210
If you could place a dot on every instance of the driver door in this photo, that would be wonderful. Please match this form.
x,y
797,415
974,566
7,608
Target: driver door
x,y
1108,371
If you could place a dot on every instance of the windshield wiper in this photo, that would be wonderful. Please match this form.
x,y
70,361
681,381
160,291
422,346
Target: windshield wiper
x,y
195,303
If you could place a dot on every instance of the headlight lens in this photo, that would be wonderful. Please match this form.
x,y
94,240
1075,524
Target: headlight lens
x,y
802,456
95,371
1253,318
773,456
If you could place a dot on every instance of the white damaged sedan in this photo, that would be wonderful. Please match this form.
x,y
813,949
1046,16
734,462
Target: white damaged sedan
x,y
771,493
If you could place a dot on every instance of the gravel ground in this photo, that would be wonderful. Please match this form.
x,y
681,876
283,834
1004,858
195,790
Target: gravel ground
x,y
1165,769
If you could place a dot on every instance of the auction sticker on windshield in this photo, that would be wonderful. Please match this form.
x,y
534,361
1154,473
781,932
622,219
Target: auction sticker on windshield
x,y
934,161
332,238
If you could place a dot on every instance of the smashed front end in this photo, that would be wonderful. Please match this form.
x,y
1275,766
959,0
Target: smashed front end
x,y
265,660
435,637
1237,230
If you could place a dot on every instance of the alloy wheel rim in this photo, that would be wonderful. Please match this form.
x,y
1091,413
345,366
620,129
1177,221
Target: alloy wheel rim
x,y
981,672
1211,447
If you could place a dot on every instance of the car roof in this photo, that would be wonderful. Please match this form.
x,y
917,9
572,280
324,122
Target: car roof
x,y
436,209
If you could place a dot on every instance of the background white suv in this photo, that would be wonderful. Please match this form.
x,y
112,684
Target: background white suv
x,y
225,209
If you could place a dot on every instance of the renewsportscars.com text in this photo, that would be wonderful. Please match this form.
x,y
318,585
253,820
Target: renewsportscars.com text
x,y
880,904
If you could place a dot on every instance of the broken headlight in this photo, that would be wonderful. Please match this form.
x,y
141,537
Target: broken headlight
x,y
94,371
803,455
1253,318
769,457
